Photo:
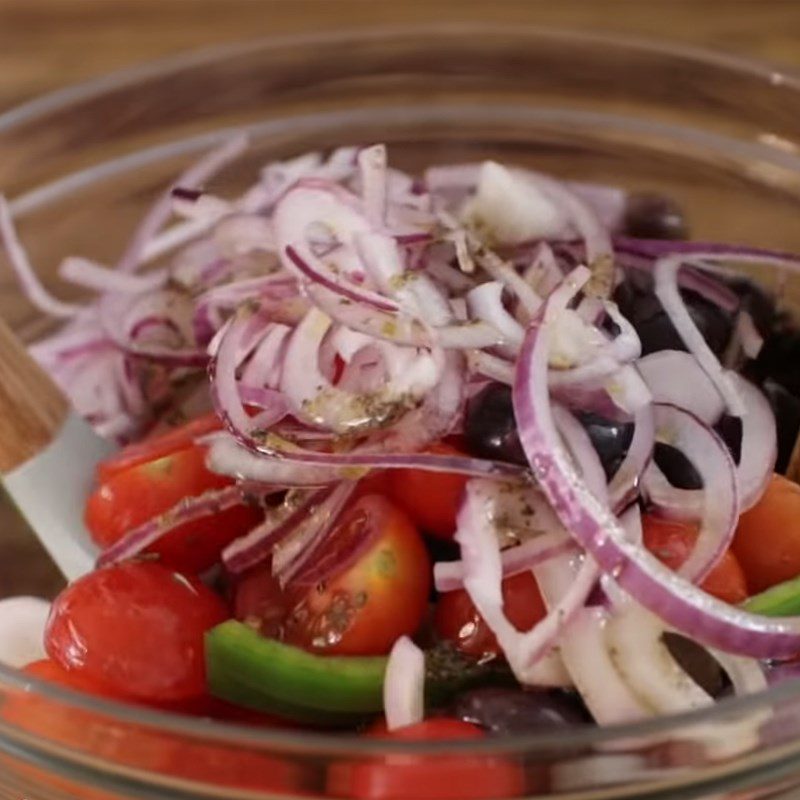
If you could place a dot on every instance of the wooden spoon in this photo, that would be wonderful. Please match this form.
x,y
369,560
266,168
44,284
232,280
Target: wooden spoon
x,y
47,457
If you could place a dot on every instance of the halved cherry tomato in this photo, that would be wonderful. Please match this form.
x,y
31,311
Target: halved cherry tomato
x,y
445,777
48,670
671,542
767,541
136,488
136,628
431,499
382,594
152,448
457,620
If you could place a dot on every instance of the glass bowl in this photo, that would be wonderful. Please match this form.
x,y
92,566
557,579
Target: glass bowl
x,y
717,133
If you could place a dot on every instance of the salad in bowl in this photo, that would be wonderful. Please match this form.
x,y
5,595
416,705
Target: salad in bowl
x,y
452,455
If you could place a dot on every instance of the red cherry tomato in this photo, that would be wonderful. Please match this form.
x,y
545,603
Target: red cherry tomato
x,y
51,671
380,596
136,628
457,620
131,495
671,542
431,499
409,777
154,447
767,541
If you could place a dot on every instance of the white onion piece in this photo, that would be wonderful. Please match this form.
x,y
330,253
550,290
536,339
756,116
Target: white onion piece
x,y
759,443
641,657
22,624
509,209
404,685
666,289
585,653
483,363
676,378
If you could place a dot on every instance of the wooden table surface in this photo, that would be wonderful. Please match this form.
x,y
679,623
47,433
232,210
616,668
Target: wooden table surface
x,y
49,43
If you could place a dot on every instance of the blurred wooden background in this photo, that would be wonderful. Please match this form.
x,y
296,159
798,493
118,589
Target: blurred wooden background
x,y
45,44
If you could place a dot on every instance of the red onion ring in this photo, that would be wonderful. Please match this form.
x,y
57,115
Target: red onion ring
x,y
669,596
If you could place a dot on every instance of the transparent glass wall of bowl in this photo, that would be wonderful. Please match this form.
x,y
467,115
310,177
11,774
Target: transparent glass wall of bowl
x,y
718,135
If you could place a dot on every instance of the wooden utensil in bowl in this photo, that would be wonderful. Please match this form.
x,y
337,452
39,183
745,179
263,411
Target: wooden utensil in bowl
x,y
47,457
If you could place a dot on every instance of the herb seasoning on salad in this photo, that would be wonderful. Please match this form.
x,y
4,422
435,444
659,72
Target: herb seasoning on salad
x,y
460,451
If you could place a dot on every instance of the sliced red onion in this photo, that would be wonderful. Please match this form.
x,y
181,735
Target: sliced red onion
x,y
583,453
298,553
666,594
265,365
759,448
676,378
498,369
666,289
372,168
485,302
349,292
711,458
499,270
250,550
22,624
449,575
683,504
87,273
543,273
404,685
483,576
26,275
587,658
194,176
646,665
187,510
227,457
415,292
625,484
316,400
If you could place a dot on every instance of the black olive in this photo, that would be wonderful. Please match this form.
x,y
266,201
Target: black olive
x,y
643,309
758,302
610,439
490,429
679,471
700,665
779,359
730,431
516,711
786,408
654,216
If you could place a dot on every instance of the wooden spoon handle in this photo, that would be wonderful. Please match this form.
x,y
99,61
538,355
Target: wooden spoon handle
x,y
32,407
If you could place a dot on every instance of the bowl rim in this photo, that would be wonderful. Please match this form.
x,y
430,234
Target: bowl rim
x,y
314,743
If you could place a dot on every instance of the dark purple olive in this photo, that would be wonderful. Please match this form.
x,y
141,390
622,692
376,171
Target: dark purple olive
x,y
679,471
656,331
786,408
695,660
729,429
654,216
517,711
759,303
610,439
490,430
779,359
